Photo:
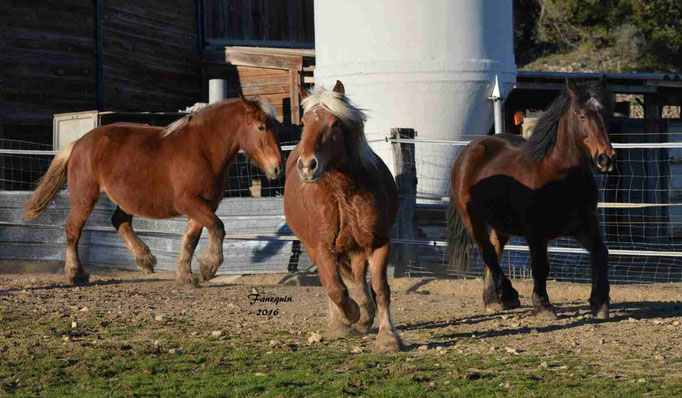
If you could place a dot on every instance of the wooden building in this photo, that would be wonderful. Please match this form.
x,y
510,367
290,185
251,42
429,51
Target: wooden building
x,y
145,56
114,55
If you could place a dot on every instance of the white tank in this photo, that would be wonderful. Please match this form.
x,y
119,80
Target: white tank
x,y
428,65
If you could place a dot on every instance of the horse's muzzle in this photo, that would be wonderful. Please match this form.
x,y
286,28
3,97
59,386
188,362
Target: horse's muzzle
x,y
605,162
308,169
273,172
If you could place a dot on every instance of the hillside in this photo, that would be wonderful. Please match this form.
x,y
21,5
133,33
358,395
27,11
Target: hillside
x,y
598,36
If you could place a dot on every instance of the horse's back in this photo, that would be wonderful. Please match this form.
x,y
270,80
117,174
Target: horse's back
x,y
130,163
488,154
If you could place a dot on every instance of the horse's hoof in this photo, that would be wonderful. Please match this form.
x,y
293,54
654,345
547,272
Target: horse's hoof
x,y
493,306
206,275
388,342
81,278
511,304
364,327
601,312
545,313
146,263
208,265
364,324
186,280
338,331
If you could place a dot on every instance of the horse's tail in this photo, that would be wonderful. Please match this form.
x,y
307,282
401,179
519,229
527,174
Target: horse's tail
x,y
49,185
459,240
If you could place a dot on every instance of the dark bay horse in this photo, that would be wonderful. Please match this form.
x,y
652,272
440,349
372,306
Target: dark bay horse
x,y
340,200
539,189
160,173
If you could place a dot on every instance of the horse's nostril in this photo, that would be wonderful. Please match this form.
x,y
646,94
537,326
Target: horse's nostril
x,y
277,170
313,164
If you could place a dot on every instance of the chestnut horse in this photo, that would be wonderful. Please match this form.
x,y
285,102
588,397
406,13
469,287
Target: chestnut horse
x,y
160,173
340,200
539,189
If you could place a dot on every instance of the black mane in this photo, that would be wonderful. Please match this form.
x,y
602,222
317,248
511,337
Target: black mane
x,y
542,140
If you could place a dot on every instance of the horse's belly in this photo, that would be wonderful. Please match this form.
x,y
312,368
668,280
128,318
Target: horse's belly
x,y
139,203
502,203
509,206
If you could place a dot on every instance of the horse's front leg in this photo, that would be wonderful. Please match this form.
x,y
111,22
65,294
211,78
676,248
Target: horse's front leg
x,y
387,339
198,210
343,311
362,293
183,269
592,241
540,265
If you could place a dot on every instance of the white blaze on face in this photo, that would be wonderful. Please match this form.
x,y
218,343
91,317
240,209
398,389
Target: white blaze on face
x,y
596,104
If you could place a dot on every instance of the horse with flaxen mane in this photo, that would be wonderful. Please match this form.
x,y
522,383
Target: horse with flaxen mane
x,y
539,189
340,200
160,173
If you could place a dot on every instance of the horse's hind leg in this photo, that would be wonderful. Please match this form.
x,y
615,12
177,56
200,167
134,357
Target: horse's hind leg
x,y
362,293
143,257
592,241
83,198
540,265
387,339
343,311
490,295
503,295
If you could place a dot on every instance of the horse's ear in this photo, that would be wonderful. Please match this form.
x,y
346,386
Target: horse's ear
x,y
338,87
603,81
302,92
572,88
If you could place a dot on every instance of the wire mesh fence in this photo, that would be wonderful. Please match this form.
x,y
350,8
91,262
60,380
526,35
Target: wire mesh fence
x,y
22,163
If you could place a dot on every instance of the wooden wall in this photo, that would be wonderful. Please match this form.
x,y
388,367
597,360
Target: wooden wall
x,y
151,60
48,60
265,23
47,63
270,73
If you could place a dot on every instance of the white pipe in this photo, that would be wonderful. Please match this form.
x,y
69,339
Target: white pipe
x,y
217,90
497,98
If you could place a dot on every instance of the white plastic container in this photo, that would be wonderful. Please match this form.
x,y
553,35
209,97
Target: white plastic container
x,y
428,65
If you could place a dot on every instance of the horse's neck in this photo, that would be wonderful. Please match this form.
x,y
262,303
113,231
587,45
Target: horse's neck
x,y
352,177
565,155
220,138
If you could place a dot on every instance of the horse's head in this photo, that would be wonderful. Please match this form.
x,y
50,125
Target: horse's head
x,y
258,138
332,134
588,110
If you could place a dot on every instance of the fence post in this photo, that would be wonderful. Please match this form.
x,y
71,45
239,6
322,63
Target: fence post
x,y
406,181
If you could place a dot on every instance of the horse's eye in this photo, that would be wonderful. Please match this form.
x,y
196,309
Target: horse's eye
x,y
261,127
336,124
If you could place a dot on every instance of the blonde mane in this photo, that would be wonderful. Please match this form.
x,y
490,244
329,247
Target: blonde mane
x,y
350,115
179,124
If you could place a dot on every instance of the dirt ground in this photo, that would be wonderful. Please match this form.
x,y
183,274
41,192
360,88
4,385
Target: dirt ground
x,y
433,317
